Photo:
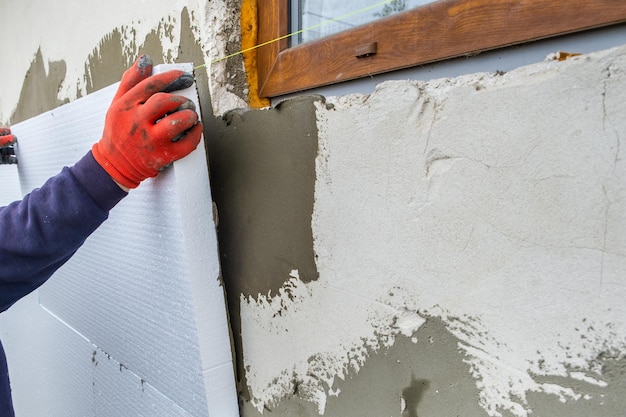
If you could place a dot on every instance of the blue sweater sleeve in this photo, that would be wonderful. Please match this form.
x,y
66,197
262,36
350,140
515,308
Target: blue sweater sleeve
x,y
41,232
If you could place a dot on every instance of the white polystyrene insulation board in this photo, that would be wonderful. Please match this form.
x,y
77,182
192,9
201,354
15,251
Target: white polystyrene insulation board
x,y
9,184
144,289
66,375
49,363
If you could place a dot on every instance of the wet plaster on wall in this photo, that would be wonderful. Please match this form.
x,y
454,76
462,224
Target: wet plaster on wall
x,y
40,89
493,202
419,376
263,178
109,60
106,63
604,391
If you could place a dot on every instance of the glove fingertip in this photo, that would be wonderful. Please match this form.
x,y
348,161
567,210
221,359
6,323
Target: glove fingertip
x,y
7,140
144,65
139,71
184,81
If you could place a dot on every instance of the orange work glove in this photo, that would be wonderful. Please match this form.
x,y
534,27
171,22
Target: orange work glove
x,y
147,128
7,153
6,138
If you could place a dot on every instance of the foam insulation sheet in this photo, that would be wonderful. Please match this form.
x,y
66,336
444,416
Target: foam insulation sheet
x,y
143,295
9,184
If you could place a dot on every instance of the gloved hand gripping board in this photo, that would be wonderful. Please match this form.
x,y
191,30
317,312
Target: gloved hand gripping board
x,y
144,290
7,147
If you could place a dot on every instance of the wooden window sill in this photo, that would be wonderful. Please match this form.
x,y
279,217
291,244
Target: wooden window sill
x,y
434,32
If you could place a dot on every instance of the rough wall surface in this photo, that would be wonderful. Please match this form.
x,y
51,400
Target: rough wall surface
x,y
469,247
58,54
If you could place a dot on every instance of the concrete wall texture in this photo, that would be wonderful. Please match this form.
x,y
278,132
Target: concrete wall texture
x,y
441,247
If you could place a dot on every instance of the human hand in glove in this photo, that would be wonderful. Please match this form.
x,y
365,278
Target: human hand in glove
x,y
146,127
7,153
6,138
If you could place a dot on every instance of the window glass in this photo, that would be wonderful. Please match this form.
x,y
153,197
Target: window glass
x,y
319,18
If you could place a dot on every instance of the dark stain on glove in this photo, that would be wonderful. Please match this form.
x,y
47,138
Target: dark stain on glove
x,y
182,82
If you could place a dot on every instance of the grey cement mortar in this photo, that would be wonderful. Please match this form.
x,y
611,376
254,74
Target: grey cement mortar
x,y
609,401
262,165
106,63
39,90
429,374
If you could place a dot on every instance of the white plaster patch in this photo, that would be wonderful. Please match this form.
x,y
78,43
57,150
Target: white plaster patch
x,y
493,202
408,322
286,324
582,376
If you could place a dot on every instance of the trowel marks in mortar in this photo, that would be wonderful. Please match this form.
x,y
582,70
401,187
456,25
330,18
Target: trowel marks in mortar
x,y
513,236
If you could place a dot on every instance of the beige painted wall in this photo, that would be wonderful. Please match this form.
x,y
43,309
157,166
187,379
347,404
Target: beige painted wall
x,y
434,248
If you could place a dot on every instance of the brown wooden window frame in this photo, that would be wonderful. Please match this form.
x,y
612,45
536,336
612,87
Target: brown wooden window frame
x,y
437,31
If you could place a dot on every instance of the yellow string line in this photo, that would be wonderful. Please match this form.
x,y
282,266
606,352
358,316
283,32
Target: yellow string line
x,y
324,22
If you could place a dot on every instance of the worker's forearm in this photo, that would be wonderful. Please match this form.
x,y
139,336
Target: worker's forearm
x,y
41,232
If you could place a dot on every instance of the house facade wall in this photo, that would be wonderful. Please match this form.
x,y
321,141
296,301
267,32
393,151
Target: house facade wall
x,y
437,247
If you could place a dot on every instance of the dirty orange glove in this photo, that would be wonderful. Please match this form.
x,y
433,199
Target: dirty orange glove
x,y
147,128
6,138
7,153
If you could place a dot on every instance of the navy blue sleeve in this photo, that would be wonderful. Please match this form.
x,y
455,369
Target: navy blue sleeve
x,y
41,232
